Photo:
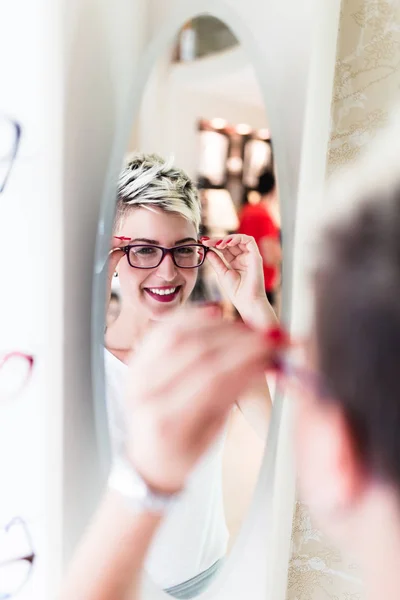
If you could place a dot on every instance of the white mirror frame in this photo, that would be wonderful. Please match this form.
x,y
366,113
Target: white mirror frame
x,y
287,45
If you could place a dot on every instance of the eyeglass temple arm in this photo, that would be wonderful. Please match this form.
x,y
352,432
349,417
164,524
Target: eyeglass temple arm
x,y
29,558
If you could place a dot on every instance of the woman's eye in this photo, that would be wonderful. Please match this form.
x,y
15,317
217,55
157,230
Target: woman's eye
x,y
185,251
145,251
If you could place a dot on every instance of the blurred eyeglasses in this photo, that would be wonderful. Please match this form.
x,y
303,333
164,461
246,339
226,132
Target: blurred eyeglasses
x,y
290,364
16,558
294,373
10,135
15,372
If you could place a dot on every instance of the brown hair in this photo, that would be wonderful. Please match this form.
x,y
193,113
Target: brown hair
x,y
357,326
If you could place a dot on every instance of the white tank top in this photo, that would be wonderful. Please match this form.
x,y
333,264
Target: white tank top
x,y
193,535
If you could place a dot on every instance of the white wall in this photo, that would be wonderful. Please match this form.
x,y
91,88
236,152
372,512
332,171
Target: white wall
x,y
31,296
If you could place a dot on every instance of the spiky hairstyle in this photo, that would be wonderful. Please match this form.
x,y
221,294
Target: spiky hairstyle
x,y
149,181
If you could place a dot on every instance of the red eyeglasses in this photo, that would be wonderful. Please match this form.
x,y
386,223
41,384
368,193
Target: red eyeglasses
x,y
15,372
289,366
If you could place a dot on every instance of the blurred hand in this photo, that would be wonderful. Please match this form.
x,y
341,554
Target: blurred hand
x,y
241,275
184,379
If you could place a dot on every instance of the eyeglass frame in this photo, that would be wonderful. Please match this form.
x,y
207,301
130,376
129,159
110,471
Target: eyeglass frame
x,y
165,251
30,558
18,354
283,365
14,150
309,378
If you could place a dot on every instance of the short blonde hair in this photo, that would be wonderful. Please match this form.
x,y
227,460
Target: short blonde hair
x,y
149,181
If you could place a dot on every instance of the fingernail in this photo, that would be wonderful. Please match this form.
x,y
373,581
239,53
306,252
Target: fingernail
x,y
121,237
229,240
204,238
219,242
277,335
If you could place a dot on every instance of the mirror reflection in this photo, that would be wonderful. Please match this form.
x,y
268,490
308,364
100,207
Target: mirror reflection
x,y
197,221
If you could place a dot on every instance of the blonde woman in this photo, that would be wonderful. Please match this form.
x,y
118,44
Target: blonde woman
x,y
347,422
156,255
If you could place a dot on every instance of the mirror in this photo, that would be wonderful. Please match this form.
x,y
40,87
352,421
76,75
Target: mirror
x,y
199,168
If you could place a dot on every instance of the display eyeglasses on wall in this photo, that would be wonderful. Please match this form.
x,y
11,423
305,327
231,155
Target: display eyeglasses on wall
x,y
15,372
16,550
16,557
10,136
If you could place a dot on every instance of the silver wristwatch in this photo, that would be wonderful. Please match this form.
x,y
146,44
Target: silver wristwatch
x,y
125,480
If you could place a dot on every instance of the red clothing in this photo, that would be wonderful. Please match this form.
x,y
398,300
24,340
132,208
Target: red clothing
x,y
257,222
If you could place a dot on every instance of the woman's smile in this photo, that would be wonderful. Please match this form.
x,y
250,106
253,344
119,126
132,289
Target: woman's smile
x,y
163,293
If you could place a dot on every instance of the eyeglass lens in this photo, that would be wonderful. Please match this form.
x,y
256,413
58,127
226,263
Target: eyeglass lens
x,y
148,257
8,143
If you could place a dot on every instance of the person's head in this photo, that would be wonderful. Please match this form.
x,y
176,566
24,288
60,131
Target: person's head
x,y
266,184
157,204
113,308
348,428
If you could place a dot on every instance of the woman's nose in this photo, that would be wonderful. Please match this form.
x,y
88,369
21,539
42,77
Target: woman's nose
x,y
167,269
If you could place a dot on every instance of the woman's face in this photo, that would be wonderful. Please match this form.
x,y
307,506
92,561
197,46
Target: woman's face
x,y
143,290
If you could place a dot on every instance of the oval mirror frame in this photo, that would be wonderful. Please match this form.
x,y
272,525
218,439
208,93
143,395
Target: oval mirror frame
x,y
270,39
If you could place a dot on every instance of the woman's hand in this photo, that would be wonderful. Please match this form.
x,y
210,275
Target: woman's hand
x,y
182,383
239,268
114,256
183,380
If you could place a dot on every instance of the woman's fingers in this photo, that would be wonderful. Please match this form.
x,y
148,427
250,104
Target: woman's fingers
x,y
114,256
187,352
218,264
229,241
233,246
169,347
220,377
181,361
184,395
216,243
228,274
